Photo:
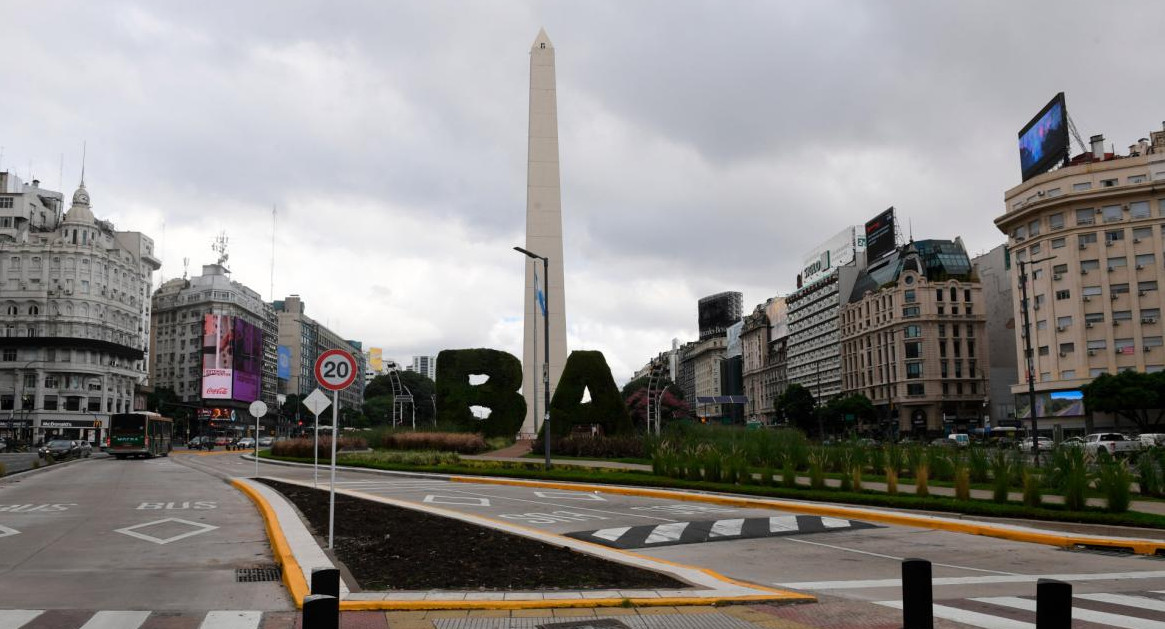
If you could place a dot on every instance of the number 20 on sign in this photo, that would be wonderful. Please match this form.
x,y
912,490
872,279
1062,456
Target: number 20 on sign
x,y
335,369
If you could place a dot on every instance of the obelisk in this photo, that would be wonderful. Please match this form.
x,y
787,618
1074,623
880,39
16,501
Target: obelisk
x,y
543,235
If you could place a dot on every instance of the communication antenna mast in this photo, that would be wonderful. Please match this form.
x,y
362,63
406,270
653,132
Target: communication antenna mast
x,y
1076,134
273,225
220,247
185,267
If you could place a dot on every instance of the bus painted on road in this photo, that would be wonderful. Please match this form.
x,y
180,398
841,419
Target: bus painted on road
x,y
140,434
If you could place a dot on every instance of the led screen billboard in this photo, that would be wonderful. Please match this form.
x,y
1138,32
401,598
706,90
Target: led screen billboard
x,y
719,311
284,368
880,235
1044,141
248,361
1051,404
217,357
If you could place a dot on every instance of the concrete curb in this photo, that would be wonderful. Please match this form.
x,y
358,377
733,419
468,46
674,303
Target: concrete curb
x,y
718,589
1000,531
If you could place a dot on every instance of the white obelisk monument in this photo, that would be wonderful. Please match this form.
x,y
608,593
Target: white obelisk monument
x,y
543,235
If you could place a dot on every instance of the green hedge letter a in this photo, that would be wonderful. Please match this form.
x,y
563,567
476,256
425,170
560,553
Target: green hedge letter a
x,y
500,393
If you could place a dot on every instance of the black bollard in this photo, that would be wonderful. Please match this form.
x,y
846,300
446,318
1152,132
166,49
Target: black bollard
x,y
917,599
1053,604
325,581
321,612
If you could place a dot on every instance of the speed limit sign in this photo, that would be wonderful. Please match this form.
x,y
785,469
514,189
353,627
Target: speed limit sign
x,y
335,369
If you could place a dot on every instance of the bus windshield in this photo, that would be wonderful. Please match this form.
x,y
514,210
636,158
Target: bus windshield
x,y
127,424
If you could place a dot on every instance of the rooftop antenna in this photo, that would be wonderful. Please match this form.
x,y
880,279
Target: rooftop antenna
x,y
910,225
220,247
185,267
1076,134
84,147
61,174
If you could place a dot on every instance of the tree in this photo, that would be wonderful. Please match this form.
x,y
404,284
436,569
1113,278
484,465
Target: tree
x,y
1138,397
857,406
379,409
381,385
796,407
672,407
422,388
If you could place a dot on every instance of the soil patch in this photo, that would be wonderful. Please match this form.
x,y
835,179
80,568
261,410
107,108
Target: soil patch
x,y
392,548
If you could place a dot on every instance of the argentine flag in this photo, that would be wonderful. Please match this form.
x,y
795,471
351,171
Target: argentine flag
x,y
538,292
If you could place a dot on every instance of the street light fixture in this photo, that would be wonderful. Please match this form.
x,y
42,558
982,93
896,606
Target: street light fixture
x,y
546,348
1027,350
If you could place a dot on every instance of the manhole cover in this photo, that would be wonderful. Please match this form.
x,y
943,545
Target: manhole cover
x,y
255,575
596,623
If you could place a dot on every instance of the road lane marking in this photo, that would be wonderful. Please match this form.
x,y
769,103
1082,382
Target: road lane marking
x,y
17,618
460,501
611,534
1112,620
975,619
1002,578
231,620
116,620
8,531
573,495
726,528
667,533
783,523
199,528
1142,602
880,555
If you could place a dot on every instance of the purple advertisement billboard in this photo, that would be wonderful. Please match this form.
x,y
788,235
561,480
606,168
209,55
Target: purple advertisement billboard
x,y
248,361
217,357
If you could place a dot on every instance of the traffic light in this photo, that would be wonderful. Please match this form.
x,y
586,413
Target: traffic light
x,y
301,422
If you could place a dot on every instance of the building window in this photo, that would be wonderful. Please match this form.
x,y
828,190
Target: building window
x,y
914,350
915,388
1091,291
909,312
942,330
1114,235
1139,209
913,370
1146,260
9,355
1142,233
1086,239
1043,350
938,294
1060,269
1118,289
1042,324
1063,294
1067,348
1058,243
1089,265
1112,213
1093,317
1056,221
1122,315
909,296
1034,228
1117,263
1082,186
1144,287
913,331
1086,216
1096,372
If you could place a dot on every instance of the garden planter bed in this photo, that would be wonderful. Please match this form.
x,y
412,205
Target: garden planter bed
x,y
392,548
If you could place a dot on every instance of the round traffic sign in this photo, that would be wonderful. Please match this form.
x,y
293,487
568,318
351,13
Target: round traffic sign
x,y
258,408
335,369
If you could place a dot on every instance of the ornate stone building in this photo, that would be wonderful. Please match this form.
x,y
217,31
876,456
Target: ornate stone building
x,y
75,312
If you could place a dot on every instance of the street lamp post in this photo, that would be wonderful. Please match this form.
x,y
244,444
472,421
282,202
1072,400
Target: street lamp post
x,y
1027,350
546,347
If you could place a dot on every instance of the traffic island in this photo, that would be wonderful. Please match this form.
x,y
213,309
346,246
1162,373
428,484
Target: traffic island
x,y
409,559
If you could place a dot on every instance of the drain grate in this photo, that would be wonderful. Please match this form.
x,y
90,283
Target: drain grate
x,y
257,575
595,623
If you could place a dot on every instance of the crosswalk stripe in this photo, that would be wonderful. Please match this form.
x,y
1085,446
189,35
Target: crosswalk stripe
x,y
17,618
1142,602
116,620
667,532
783,523
231,620
1111,620
835,523
611,534
726,528
975,619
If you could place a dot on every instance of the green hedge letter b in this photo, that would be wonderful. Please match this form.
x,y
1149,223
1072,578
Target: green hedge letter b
x,y
500,393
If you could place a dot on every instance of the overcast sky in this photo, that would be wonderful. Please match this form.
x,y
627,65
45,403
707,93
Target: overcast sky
x,y
705,146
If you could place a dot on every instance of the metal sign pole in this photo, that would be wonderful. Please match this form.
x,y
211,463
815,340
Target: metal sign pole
x,y
335,438
315,468
256,447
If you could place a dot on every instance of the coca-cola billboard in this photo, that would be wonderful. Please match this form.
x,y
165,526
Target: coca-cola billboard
x,y
217,357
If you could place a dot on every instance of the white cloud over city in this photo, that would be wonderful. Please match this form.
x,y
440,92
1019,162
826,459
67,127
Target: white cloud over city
x,y
705,146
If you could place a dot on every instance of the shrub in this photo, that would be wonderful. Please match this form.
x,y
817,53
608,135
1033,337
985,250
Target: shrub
x,y
586,446
978,464
892,460
409,457
1032,495
1113,479
1001,474
788,474
942,465
36,464
459,442
1149,473
922,479
818,458
305,449
711,460
1073,477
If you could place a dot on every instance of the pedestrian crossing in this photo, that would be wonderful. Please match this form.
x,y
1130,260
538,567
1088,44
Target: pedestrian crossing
x,y
1135,610
110,619
673,533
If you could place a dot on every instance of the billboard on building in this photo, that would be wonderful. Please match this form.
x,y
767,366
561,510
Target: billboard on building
x,y
719,311
248,361
376,359
217,357
733,346
778,313
283,370
840,250
1044,141
880,236
1051,404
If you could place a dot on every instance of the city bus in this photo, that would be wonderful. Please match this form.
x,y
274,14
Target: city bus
x,y
142,433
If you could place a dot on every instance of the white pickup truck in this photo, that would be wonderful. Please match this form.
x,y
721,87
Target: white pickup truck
x,y
1112,443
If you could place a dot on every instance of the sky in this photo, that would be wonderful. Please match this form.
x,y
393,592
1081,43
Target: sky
x,y
373,153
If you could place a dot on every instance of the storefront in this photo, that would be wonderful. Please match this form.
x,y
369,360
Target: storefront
x,y
16,431
91,429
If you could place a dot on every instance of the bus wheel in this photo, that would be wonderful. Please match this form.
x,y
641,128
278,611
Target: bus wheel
x,y
120,457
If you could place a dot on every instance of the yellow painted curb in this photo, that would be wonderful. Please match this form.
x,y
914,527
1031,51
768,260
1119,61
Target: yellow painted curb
x,y
292,573
1061,540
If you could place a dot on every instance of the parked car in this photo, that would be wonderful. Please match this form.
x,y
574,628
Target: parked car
x,y
246,443
59,449
961,440
1072,442
223,441
265,442
1112,443
200,443
944,443
1029,445
1152,439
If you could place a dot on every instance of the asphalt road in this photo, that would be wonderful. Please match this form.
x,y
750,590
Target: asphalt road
x,y
130,535
826,557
